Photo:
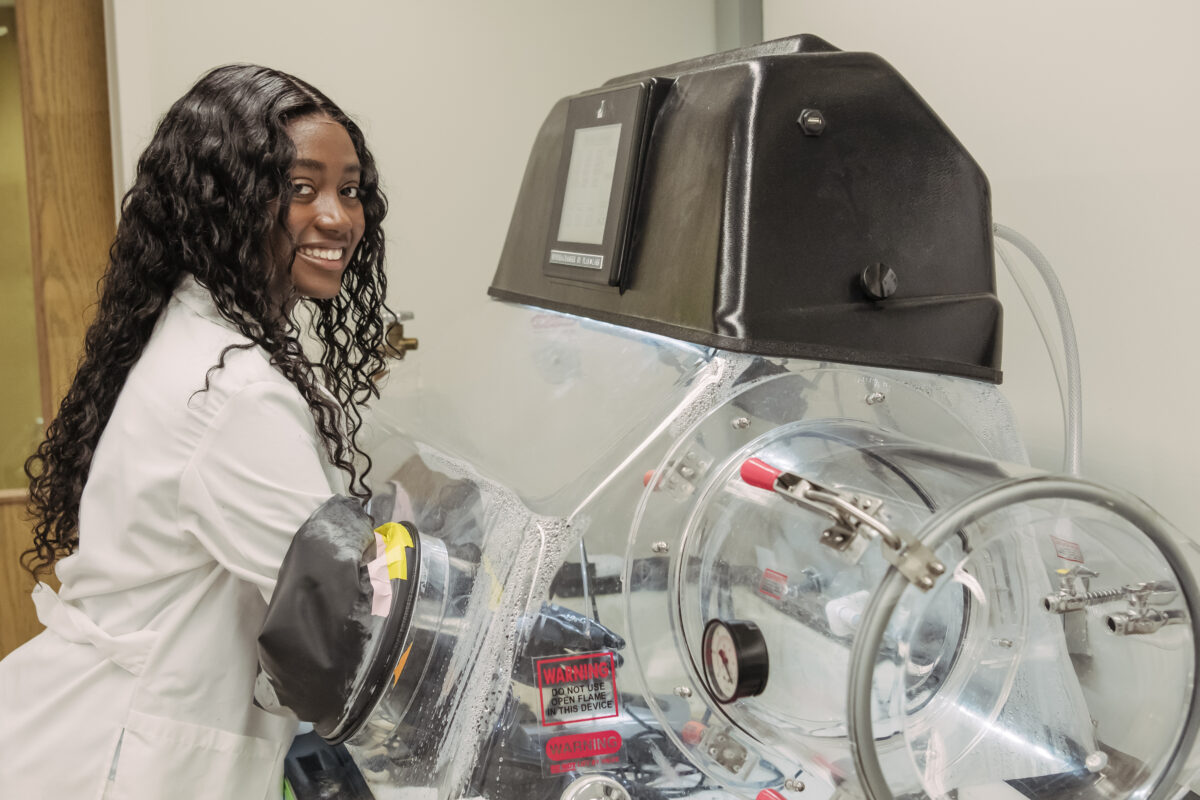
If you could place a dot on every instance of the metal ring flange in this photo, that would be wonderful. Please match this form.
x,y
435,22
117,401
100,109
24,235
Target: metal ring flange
x,y
883,602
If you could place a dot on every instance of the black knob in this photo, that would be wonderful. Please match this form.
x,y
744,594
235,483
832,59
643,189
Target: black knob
x,y
812,122
879,281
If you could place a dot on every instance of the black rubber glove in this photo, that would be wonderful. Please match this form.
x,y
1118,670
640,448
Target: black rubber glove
x,y
557,630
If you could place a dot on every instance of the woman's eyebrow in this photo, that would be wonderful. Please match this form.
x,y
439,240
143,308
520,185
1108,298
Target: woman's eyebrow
x,y
309,163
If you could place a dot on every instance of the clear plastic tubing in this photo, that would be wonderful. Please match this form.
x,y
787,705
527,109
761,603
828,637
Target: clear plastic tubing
x,y
1072,397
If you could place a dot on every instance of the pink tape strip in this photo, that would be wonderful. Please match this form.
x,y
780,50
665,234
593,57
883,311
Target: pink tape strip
x,y
381,597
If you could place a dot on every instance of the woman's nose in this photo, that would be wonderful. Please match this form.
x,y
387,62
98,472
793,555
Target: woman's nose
x,y
331,215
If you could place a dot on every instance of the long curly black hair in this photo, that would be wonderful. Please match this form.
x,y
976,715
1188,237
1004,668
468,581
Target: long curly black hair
x,y
211,189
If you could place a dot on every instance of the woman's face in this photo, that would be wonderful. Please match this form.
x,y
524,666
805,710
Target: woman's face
x,y
325,219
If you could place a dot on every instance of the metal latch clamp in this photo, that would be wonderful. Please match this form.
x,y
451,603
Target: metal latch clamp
x,y
855,519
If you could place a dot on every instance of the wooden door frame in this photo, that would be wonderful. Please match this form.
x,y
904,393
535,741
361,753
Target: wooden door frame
x,y
68,157
68,162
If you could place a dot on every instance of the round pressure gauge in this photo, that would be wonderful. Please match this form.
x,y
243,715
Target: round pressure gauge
x,y
735,659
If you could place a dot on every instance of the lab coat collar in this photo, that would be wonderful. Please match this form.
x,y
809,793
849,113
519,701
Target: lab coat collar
x,y
190,293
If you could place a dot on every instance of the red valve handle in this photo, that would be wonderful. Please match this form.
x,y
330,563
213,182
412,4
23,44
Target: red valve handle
x,y
759,473
692,732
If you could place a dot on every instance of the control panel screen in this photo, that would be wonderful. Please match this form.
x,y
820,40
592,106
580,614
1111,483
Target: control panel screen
x,y
589,231
589,184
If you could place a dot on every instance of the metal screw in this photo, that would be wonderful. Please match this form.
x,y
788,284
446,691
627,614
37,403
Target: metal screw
x,y
793,785
740,424
879,281
683,691
926,582
1096,761
687,472
937,567
812,122
1002,642
660,547
875,398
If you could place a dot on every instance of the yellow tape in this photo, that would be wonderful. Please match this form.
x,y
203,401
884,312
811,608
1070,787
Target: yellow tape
x,y
395,538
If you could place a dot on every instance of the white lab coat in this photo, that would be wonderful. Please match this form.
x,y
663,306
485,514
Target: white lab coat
x,y
141,686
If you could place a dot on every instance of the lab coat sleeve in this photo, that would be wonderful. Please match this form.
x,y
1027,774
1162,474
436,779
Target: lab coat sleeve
x,y
254,479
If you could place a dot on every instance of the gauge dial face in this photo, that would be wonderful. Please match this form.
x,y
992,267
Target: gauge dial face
x,y
735,659
720,661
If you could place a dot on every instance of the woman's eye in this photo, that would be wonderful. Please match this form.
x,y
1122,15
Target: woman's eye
x,y
353,192
301,189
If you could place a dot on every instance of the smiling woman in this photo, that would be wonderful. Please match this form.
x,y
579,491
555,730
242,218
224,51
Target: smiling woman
x,y
325,219
196,437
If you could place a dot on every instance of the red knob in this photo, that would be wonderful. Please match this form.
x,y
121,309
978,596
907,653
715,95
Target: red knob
x,y
757,472
692,732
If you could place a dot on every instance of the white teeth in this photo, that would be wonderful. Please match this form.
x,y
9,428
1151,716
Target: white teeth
x,y
323,254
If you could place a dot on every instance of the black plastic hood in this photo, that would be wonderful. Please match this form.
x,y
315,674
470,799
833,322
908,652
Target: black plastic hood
x,y
860,233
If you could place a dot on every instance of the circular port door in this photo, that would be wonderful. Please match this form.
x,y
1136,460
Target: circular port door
x,y
1076,673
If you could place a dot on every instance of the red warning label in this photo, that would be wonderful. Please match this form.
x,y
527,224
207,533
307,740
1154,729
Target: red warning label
x,y
1067,550
582,750
577,688
583,745
773,584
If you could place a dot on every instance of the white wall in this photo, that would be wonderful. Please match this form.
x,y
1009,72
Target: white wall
x,y
1080,111
1084,115
449,93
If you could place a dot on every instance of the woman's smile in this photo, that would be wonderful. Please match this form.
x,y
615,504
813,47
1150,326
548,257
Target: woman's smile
x,y
329,257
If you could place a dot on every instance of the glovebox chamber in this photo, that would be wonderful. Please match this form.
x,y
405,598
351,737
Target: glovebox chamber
x,y
790,548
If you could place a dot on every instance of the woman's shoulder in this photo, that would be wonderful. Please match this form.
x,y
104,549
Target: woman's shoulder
x,y
199,356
